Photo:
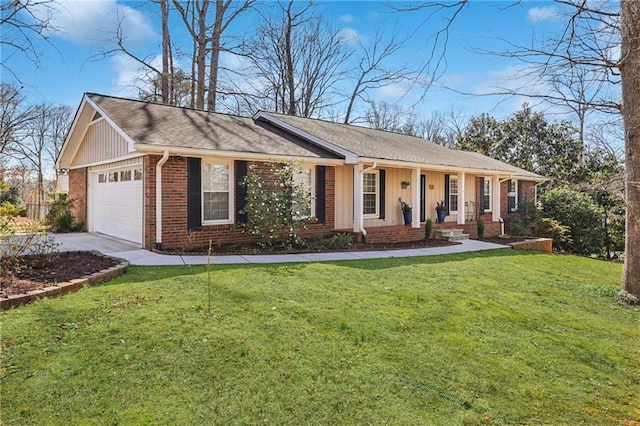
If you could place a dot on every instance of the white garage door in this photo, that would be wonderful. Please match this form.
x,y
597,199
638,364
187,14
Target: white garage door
x,y
115,203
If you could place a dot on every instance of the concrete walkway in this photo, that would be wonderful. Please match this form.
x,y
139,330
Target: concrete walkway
x,y
137,256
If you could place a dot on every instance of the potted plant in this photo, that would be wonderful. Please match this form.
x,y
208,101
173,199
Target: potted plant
x,y
406,211
441,210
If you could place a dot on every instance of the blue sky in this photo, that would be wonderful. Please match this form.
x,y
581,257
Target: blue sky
x,y
70,67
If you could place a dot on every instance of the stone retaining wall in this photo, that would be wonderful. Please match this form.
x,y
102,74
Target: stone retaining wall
x,y
539,244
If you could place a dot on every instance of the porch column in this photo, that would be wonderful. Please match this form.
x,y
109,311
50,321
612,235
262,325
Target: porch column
x,y
415,197
495,208
461,198
357,198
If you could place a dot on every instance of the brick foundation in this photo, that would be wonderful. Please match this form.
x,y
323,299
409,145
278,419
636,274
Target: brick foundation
x,y
403,233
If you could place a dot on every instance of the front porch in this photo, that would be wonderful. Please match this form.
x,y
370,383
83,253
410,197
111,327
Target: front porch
x,y
406,233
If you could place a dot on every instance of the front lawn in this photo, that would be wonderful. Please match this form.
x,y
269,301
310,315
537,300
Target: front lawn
x,y
500,337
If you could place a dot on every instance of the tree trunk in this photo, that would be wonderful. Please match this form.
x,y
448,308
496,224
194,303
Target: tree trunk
x,y
289,73
630,75
215,55
164,79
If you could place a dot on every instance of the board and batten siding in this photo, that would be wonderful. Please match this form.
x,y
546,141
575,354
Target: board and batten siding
x,y
101,142
434,192
393,191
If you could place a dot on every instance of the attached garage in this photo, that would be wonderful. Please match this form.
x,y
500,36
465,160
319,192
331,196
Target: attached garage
x,y
115,202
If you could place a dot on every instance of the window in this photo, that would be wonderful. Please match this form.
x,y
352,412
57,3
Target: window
x,y
102,178
137,174
486,195
216,194
113,176
512,195
304,179
453,194
370,194
125,175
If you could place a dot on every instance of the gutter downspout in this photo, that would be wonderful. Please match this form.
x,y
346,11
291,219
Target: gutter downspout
x,y
362,230
500,219
165,157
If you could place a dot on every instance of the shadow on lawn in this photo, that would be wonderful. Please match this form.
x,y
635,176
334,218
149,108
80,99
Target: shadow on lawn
x,y
379,264
153,273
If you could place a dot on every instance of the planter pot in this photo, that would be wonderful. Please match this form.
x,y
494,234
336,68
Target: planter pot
x,y
442,214
407,218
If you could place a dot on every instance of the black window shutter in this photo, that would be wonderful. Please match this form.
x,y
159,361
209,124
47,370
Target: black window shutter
x,y
520,200
446,193
482,206
320,193
194,194
382,176
423,201
240,173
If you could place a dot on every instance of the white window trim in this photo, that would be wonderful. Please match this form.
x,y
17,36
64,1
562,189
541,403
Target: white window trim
x,y
375,215
515,196
490,180
231,192
312,195
451,178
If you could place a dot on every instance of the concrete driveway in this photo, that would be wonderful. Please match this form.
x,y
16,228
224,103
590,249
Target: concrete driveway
x,y
138,256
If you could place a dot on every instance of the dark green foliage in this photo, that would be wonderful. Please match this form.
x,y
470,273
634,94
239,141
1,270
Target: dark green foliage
x,y
428,225
525,140
581,214
9,194
531,223
60,218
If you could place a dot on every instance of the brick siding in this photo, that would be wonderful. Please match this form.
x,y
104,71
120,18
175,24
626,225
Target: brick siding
x,y
78,185
175,233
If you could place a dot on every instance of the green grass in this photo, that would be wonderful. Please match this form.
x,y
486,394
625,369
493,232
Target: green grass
x,y
501,337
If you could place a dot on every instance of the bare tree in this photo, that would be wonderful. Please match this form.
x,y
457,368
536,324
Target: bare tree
x,y
374,70
40,146
208,42
296,62
21,23
385,116
15,115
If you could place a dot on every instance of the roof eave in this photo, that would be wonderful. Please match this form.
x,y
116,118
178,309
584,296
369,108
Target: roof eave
x,y
349,157
240,155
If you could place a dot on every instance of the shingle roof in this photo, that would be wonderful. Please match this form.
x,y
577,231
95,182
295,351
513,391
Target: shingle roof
x,y
371,143
167,126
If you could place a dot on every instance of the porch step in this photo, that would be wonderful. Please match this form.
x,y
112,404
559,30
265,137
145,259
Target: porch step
x,y
451,235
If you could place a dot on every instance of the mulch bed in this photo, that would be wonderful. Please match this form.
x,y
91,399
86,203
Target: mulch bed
x,y
250,249
37,273
55,268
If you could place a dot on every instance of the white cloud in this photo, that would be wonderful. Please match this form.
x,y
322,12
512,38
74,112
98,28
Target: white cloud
x,y
350,36
540,14
94,22
345,19
130,75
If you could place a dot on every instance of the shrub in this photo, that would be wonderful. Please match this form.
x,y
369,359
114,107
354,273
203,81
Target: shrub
x,y
428,225
8,209
581,214
273,204
9,194
59,217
